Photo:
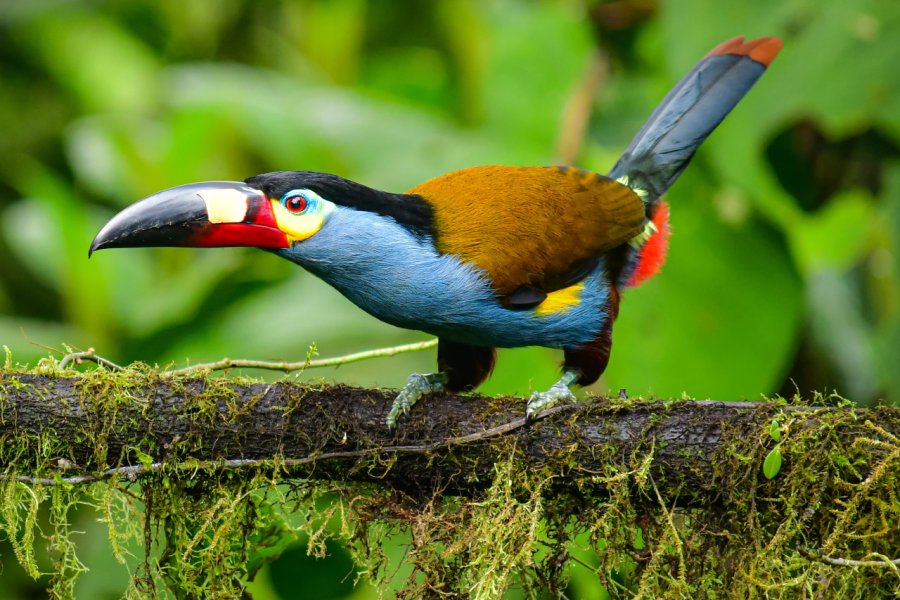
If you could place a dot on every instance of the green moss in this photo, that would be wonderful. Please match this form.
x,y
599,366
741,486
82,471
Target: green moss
x,y
206,531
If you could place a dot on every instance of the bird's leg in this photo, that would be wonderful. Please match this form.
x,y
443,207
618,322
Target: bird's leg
x,y
416,386
541,401
583,364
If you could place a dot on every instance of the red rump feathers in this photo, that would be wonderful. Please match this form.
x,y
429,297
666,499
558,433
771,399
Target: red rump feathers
x,y
653,254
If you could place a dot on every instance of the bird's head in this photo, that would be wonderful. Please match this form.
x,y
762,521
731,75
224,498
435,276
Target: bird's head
x,y
267,211
273,210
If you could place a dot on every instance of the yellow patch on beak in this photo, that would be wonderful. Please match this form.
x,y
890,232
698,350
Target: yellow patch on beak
x,y
560,301
299,227
224,205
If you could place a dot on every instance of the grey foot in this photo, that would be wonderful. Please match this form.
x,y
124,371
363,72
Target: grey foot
x,y
541,401
416,386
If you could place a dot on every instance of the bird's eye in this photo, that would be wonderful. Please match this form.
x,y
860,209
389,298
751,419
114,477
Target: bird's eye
x,y
296,204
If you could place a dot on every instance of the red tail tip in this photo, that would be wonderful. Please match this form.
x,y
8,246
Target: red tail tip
x,y
763,50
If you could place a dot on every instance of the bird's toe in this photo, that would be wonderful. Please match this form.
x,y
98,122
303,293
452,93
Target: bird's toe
x,y
541,401
417,385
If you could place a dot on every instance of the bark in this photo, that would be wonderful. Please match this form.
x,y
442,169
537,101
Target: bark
x,y
449,442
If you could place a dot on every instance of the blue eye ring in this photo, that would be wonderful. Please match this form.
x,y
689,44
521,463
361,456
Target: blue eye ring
x,y
297,202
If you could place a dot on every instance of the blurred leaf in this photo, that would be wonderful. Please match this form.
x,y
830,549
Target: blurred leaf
x,y
839,327
192,134
187,289
584,582
336,55
20,11
885,267
843,64
464,27
95,550
101,63
29,338
328,579
835,236
838,66
198,27
836,70
296,125
727,301
536,57
114,156
888,356
24,226
690,28
414,73
521,371
61,220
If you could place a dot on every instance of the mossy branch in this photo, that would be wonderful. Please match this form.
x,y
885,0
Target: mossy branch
x,y
125,423
772,496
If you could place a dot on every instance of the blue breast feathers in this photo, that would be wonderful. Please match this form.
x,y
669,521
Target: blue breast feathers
x,y
401,279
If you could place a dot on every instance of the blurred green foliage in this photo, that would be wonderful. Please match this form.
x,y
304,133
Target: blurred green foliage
x,y
785,255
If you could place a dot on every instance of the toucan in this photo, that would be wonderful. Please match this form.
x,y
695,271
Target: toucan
x,y
485,257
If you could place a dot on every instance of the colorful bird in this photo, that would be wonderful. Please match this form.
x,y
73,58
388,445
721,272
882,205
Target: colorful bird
x,y
482,258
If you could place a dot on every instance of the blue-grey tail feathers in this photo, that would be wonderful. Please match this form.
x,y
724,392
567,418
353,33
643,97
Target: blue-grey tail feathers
x,y
688,114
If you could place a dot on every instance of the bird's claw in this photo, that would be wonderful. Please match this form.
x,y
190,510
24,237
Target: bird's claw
x,y
541,401
416,386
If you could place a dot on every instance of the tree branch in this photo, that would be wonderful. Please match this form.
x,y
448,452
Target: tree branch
x,y
102,424
242,363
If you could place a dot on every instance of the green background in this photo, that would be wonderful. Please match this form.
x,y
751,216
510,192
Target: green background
x,y
782,274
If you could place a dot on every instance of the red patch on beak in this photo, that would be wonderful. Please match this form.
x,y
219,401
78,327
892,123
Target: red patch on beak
x,y
240,234
258,230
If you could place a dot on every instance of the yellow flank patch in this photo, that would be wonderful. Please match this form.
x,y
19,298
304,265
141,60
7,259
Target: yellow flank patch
x,y
560,301
225,205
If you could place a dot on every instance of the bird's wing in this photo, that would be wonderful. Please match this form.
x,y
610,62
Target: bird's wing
x,y
531,229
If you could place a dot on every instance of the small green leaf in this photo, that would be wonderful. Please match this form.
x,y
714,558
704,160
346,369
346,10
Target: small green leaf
x,y
775,430
772,464
144,458
639,543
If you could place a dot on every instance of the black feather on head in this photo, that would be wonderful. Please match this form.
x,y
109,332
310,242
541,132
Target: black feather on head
x,y
409,210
